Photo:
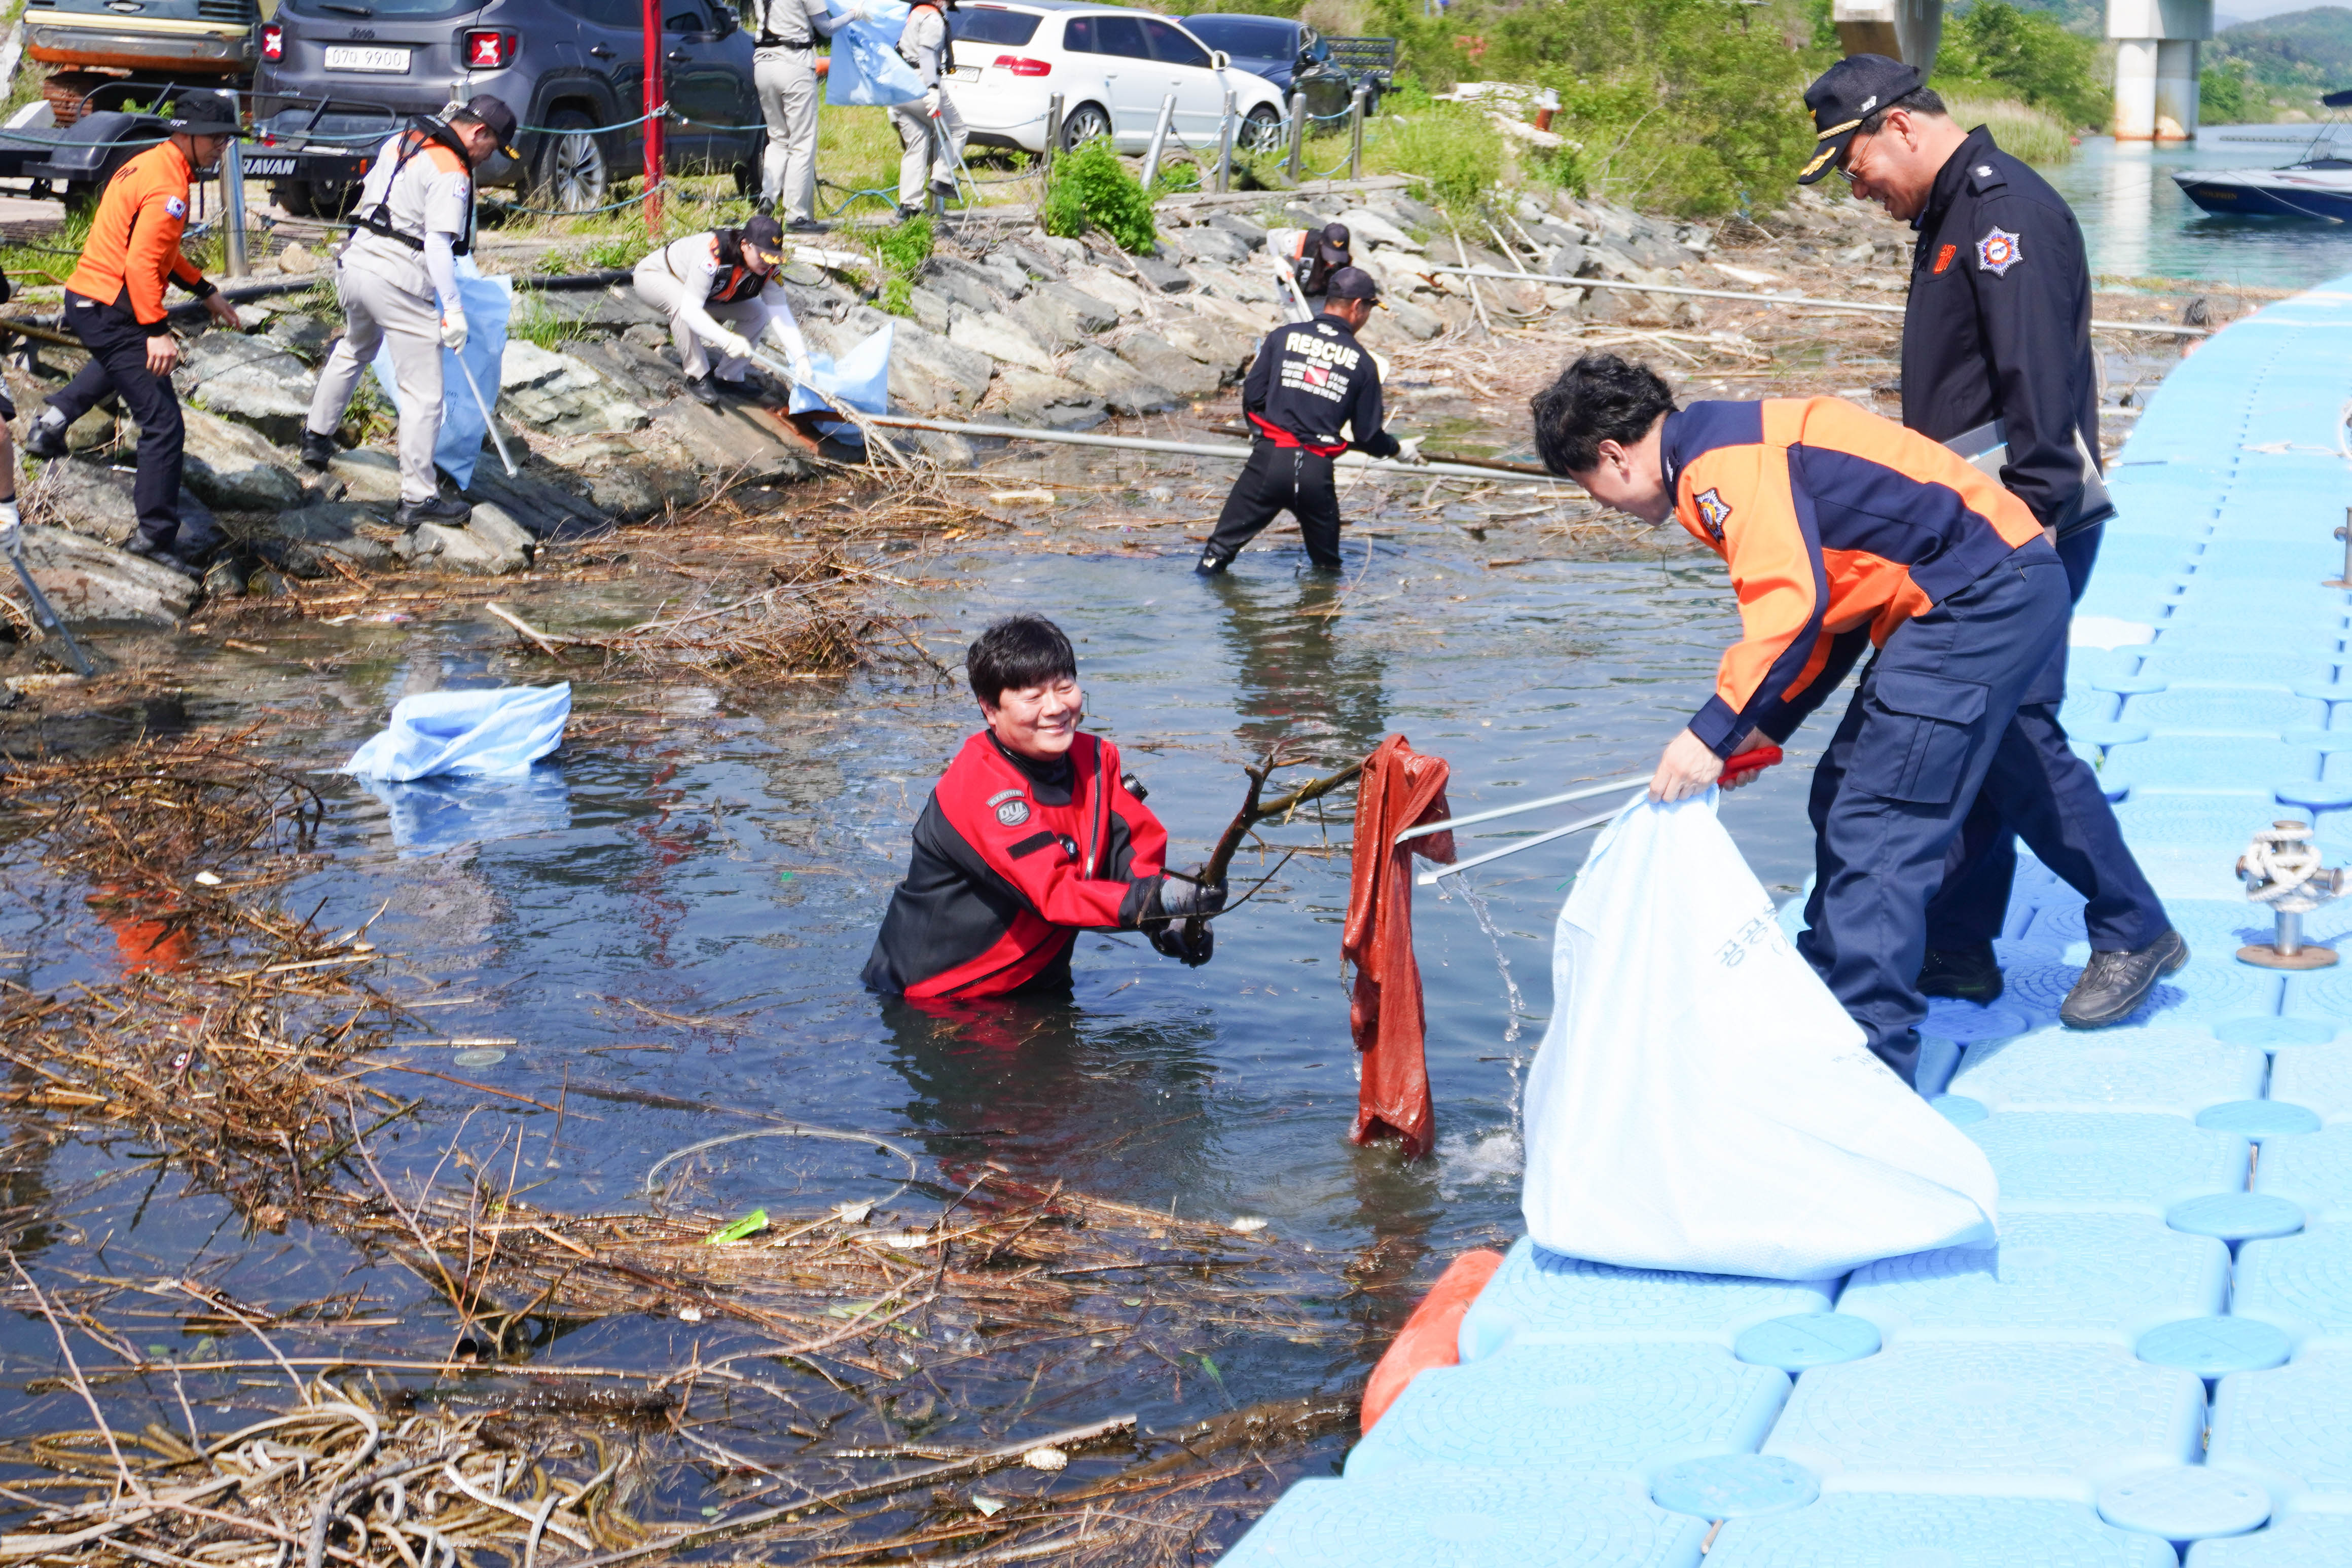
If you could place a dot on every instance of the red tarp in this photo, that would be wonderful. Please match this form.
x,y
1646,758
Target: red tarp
x,y
1400,789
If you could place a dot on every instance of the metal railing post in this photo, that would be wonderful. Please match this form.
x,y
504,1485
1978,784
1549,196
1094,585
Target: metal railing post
x,y
1356,131
2344,533
1052,131
1297,133
1159,140
1225,146
232,174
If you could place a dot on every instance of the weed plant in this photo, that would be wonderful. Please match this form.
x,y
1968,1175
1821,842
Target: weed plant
x,y
901,251
1091,189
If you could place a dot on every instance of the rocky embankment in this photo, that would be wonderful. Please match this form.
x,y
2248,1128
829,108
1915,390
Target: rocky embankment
x,y
1008,325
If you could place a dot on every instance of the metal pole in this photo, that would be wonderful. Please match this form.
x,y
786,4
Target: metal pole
x,y
1052,131
233,207
483,404
46,618
1225,146
1297,133
1356,132
1433,468
1159,140
655,106
2344,533
2289,940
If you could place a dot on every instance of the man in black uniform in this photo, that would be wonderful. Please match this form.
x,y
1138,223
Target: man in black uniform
x,y
1310,382
1997,365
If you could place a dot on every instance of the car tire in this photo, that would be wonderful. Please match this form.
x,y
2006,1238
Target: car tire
x,y
1088,122
1260,130
316,198
572,172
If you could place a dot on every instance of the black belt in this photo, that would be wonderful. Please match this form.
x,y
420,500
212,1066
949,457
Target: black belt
x,y
767,43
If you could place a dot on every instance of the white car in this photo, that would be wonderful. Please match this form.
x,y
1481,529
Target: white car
x,y
1112,67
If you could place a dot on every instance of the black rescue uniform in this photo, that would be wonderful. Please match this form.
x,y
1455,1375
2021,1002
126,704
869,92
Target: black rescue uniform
x,y
1013,859
1310,380
1998,329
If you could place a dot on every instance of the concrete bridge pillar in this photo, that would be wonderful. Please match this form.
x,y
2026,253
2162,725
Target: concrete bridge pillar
x,y
2155,66
1906,30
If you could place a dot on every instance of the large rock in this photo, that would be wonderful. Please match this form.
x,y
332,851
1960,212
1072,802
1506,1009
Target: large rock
x,y
1002,339
1223,349
933,310
252,380
1031,397
1034,261
96,503
1050,320
961,281
1366,227
366,475
298,542
491,544
305,335
1254,288
1165,276
1112,289
1006,273
232,467
1241,228
1123,388
86,581
1253,321
1164,364
561,394
1087,313
1401,322
1206,243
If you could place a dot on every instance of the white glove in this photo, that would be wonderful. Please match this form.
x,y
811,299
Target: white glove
x,y
453,330
738,346
803,372
857,12
932,101
1409,449
11,520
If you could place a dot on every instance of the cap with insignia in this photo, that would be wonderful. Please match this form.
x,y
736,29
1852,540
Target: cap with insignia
x,y
1845,95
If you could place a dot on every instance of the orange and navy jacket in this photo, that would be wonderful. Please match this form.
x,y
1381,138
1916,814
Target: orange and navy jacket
x,y
1011,860
1838,526
134,241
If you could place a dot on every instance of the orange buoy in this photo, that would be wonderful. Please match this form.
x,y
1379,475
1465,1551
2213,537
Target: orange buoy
x,y
1432,1336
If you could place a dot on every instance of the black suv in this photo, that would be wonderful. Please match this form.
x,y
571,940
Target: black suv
x,y
345,73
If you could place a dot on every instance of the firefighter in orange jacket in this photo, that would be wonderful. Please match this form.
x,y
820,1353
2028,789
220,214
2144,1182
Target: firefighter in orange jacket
x,y
114,303
1842,531
1032,836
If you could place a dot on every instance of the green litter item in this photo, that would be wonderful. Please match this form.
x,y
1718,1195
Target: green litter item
x,y
750,1224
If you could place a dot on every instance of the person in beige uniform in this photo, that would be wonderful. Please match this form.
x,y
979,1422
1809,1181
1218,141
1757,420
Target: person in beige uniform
x,y
929,129
397,278
719,291
783,72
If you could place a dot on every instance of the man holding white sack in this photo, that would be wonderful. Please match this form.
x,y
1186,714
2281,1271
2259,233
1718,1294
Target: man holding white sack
x,y
397,278
1842,531
929,129
719,290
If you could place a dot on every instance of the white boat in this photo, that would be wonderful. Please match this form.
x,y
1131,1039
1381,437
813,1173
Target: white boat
x,y
2316,188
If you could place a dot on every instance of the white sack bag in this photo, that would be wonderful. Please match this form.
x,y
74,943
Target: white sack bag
x,y
1702,1102
501,730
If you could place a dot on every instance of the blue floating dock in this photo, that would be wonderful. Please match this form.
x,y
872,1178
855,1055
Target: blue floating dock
x,y
1981,1409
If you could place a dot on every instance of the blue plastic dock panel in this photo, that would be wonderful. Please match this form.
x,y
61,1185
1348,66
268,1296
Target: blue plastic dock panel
x,y
1445,1516
1542,1298
1891,1530
2291,1429
2118,1161
2174,1072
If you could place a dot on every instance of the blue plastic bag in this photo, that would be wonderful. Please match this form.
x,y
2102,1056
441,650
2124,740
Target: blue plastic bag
x,y
502,730
860,378
432,816
488,302
866,69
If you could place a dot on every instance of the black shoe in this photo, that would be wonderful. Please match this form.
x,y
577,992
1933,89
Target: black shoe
x,y
318,450
909,214
1963,974
765,207
449,514
704,391
46,437
2113,983
750,388
164,555
1211,564
807,226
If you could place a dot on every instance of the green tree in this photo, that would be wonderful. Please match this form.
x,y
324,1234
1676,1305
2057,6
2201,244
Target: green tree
x,y
2029,54
2222,96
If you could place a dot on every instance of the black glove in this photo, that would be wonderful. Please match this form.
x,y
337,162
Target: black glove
x,y
1193,941
1178,899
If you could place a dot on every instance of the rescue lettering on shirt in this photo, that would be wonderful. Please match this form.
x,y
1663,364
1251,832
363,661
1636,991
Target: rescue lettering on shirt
x,y
1764,928
1324,371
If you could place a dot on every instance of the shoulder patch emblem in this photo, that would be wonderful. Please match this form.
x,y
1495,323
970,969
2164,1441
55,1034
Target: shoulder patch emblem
x,y
1943,259
176,207
1012,812
1998,252
1714,512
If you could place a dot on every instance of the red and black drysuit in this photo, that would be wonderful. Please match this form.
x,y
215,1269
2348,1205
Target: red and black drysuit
x,y
1013,859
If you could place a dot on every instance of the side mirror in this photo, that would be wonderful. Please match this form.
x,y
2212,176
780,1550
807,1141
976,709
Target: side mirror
x,y
727,24
1219,59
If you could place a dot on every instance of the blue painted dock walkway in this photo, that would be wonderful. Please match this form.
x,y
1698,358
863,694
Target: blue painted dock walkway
x,y
2156,1366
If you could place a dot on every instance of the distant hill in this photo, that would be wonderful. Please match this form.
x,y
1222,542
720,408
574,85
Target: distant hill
x,y
2303,48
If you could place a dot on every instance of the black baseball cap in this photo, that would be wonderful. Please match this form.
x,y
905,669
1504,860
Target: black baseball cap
x,y
764,233
493,112
1352,283
1845,95
203,114
1334,245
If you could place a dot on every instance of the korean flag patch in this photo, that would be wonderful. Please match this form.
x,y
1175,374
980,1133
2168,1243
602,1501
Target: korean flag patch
x,y
1714,512
176,207
1998,252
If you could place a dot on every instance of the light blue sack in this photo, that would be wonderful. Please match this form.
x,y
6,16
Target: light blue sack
x,y
859,380
488,302
867,68
431,816
504,730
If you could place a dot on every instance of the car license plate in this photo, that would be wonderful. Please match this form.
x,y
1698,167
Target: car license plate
x,y
341,57
269,165
966,73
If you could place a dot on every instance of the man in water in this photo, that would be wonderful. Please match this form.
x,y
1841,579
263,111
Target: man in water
x,y
1032,836
1997,365
1312,392
1842,530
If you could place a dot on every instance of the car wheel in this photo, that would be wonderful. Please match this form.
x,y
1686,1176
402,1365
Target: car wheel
x,y
573,174
1261,129
1088,122
294,196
